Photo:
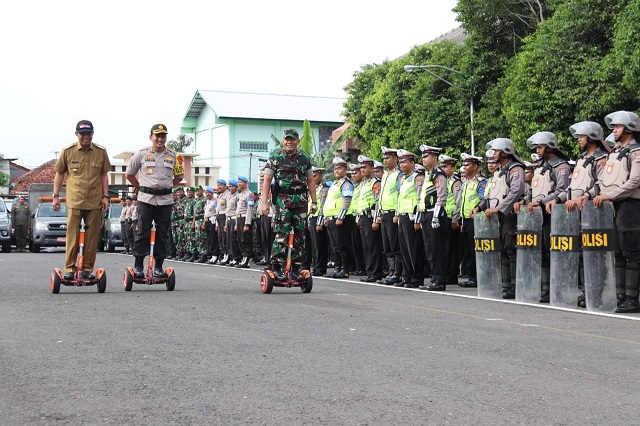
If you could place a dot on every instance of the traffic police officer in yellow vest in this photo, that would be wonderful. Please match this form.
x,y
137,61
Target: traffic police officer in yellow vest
x,y
409,236
85,164
356,242
621,184
454,185
336,218
433,218
386,211
371,239
472,193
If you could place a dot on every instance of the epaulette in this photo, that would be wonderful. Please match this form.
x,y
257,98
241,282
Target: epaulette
x,y
98,146
70,145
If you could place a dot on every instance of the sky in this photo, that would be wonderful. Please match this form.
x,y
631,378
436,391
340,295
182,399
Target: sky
x,y
126,65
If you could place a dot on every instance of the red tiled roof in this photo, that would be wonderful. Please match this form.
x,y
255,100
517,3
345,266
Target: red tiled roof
x,y
44,173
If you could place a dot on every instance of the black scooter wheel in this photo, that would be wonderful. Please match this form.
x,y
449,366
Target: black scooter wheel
x,y
128,280
171,282
102,283
55,283
266,283
307,286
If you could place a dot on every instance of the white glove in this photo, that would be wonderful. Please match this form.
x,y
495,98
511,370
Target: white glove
x,y
435,221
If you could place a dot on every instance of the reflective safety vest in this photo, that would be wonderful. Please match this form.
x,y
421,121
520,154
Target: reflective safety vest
x,y
318,192
408,196
333,203
354,207
470,196
389,190
542,183
616,171
367,197
450,206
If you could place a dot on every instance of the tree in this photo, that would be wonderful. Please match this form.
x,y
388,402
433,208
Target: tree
x,y
5,179
180,143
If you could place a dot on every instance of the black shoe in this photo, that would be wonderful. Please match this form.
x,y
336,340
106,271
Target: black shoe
x,y
318,273
582,302
509,293
468,284
295,275
192,258
629,306
411,285
360,273
138,272
224,261
69,276
159,273
620,298
277,271
202,259
544,297
244,263
369,279
86,275
400,284
391,279
341,274
434,287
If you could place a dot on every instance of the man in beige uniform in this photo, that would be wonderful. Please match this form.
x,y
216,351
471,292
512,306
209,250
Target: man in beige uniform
x,y
85,165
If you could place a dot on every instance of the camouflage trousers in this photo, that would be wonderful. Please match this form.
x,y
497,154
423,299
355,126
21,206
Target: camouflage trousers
x,y
176,234
189,236
200,241
284,221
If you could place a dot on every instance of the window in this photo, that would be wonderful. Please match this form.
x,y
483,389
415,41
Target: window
x,y
254,146
113,168
206,170
124,169
197,170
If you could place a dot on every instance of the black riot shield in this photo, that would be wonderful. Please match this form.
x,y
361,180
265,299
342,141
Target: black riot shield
x,y
565,256
487,247
529,255
598,241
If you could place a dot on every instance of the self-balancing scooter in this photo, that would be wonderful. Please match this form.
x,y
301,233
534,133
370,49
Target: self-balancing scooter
x,y
57,278
130,276
268,279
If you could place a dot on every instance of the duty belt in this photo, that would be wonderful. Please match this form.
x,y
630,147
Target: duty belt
x,y
153,191
241,215
387,211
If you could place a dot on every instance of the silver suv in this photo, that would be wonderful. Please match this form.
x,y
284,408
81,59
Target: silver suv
x,y
5,228
48,227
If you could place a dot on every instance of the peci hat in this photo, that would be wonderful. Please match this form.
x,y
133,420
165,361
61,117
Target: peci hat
x,y
158,129
429,150
291,133
338,162
84,126
244,179
233,182
404,155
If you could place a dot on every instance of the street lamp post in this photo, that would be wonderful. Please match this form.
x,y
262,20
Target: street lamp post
x,y
410,68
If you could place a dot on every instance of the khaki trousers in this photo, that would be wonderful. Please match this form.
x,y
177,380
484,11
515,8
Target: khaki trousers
x,y
92,225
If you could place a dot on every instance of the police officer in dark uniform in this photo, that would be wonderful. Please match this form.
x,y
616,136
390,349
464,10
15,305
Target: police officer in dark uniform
x,y
158,169
433,219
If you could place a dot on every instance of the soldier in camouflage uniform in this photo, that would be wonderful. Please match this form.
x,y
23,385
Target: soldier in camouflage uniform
x,y
200,228
177,214
291,171
188,234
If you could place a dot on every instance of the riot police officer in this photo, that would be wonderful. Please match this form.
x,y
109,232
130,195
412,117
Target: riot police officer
x,y
507,188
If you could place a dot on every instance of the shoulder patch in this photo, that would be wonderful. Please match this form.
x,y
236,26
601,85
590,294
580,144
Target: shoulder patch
x,y
70,145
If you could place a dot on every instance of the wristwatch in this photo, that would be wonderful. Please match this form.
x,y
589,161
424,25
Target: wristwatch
x,y
55,195
105,196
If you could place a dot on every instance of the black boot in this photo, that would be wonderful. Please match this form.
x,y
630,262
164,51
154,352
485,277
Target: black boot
x,y
158,272
277,271
202,259
629,306
138,267
244,263
192,258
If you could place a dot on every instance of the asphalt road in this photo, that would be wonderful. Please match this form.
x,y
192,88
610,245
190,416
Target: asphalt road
x,y
218,351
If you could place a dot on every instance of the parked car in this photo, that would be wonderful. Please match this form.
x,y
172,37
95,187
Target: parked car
x,y
111,234
48,227
9,204
5,227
